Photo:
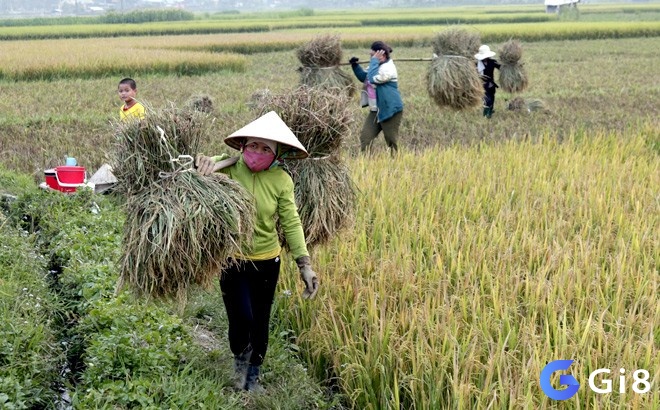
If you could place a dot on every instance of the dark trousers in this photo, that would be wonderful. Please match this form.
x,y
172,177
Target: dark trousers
x,y
489,94
248,288
372,127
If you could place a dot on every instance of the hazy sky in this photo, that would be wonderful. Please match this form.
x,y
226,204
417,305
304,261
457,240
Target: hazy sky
x,y
52,8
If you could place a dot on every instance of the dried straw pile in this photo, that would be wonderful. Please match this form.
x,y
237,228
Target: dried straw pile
x,y
513,76
516,104
201,103
322,51
324,192
535,104
452,78
181,227
319,118
320,58
530,105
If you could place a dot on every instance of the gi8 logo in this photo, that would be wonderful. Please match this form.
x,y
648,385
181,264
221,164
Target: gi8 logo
x,y
641,383
565,379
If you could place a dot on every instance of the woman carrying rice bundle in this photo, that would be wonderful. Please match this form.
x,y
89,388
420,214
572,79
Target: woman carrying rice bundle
x,y
486,66
248,284
384,100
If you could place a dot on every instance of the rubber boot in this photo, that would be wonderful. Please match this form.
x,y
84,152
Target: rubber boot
x,y
241,364
394,150
486,112
252,380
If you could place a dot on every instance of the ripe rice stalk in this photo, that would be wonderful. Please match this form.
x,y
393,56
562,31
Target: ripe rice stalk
x,y
454,82
181,227
513,76
326,197
320,119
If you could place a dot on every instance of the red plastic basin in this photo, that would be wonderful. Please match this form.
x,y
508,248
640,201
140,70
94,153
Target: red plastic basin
x,y
67,174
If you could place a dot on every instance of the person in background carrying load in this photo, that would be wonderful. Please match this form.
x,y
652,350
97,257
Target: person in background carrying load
x,y
382,97
248,284
131,109
486,67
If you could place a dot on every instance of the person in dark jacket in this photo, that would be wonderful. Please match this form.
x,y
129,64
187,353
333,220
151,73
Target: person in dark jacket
x,y
383,97
486,66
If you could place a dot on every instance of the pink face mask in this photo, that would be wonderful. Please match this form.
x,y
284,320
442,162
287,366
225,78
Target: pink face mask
x,y
257,161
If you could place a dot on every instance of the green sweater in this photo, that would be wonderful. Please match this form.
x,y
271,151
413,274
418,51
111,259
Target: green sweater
x,y
273,193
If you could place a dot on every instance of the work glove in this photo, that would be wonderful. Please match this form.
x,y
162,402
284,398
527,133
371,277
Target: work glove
x,y
354,60
204,164
308,277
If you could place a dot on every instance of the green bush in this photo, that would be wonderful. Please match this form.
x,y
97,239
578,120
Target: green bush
x,y
30,357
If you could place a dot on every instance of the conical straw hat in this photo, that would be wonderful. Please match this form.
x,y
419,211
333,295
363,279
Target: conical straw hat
x,y
271,127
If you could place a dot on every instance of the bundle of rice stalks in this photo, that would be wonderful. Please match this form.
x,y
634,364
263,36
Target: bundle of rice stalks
x,y
520,104
144,149
454,83
456,41
181,231
202,103
181,226
510,52
452,78
321,51
325,195
516,104
332,79
320,58
319,119
536,105
513,76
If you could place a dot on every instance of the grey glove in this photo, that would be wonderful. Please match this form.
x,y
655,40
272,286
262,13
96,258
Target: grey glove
x,y
204,164
207,165
308,276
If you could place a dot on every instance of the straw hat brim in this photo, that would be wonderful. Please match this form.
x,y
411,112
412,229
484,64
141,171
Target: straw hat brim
x,y
270,127
482,56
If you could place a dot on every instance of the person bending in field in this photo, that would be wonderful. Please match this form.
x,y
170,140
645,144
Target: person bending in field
x,y
486,66
248,283
131,109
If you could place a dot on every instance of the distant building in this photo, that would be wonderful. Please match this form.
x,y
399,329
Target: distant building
x,y
553,6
